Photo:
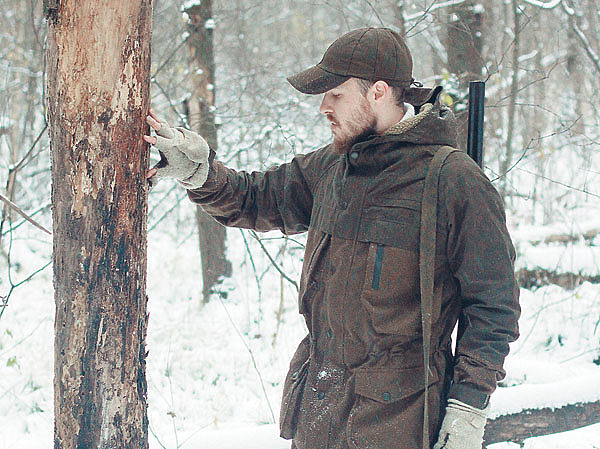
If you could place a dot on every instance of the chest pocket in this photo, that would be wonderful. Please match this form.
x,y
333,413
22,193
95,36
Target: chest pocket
x,y
395,223
390,292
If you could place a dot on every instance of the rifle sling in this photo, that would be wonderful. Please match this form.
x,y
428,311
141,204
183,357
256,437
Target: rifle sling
x,y
427,266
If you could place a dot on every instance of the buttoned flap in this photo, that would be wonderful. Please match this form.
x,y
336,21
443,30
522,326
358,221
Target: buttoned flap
x,y
393,222
390,384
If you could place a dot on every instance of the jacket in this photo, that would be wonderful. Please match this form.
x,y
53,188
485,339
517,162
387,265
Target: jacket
x,y
356,380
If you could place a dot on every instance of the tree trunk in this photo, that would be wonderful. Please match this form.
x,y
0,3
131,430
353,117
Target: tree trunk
x,y
512,105
98,60
211,235
463,44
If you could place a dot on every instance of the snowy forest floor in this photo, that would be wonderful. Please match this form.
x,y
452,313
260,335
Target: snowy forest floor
x,y
215,372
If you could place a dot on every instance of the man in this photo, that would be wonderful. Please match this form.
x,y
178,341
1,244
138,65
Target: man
x,y
357,379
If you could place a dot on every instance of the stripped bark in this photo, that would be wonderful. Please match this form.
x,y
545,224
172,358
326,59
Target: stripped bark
x,y
98,79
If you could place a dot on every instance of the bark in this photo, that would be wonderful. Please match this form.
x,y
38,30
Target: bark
x,y
98,60
211,235
534,423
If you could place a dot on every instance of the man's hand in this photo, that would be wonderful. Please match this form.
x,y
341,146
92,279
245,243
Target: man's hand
x,y
183,154
463,427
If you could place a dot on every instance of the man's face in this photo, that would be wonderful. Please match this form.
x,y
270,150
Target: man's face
x,y
350,114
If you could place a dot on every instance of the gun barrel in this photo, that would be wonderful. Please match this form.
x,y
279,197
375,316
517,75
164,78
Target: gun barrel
x,y
475,131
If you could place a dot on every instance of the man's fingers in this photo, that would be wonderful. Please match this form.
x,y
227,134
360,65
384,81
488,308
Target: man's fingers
x,y
153,115
151,172
153,121
150,139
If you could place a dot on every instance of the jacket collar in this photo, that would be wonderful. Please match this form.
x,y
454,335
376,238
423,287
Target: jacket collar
x,y
433,125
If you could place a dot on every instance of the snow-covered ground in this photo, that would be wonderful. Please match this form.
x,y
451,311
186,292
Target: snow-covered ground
x,y
215,373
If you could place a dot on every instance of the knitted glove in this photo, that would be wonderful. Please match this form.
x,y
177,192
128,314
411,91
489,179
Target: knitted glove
x,y
183,156
462,427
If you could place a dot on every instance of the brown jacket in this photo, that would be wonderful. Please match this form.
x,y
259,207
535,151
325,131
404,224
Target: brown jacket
x,y
356,380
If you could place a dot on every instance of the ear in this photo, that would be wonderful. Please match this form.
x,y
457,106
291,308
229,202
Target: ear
x,y
381,90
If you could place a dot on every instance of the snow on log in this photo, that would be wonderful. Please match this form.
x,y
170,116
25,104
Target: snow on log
x,y
526,411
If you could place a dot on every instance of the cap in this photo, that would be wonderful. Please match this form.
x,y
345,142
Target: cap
x,y
368,53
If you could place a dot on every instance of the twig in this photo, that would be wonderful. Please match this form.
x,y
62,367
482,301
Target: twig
x,y
255,273
419,16
570,10
262,383
595,195
23,160
163,216
4,303
286,277
544,5
156,436
23,214
17,226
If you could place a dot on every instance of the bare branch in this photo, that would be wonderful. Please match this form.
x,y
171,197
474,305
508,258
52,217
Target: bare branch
x,y
286,277
544,5
434,7
249,349
23,214
587,192
585,43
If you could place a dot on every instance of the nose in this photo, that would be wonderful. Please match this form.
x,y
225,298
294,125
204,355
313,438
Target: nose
x,y
326,105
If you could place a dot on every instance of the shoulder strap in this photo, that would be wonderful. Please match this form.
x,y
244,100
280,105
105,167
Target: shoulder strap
x,y
427,266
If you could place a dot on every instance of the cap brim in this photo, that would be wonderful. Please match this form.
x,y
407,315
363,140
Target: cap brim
x,y
418,96
315,80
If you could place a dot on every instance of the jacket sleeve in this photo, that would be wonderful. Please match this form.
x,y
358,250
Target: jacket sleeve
x,y
481,257
279,198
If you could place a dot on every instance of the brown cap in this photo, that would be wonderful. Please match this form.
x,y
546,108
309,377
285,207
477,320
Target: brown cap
x,y
368,53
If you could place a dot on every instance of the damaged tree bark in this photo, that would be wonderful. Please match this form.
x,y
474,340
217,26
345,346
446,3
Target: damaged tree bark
x,y
98,60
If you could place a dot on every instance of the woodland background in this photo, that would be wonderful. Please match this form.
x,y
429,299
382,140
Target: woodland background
x,y
218,355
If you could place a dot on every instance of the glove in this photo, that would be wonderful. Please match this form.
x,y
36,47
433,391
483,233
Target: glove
x,y
462,427
183,156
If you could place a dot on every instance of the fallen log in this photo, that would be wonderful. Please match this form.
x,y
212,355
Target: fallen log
x,y
539,277
529,423
534,410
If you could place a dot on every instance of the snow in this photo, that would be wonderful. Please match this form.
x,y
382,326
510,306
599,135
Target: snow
x,y
584,388
214,374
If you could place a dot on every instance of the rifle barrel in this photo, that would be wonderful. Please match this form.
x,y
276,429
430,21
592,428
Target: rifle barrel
x,y
475,132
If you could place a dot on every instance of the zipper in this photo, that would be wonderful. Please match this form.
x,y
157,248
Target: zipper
x,y
377,267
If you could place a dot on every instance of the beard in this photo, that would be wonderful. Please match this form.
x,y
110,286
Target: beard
x,y
361,124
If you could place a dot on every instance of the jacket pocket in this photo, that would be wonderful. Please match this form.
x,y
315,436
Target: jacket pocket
x,y
390,292
293,389
388,408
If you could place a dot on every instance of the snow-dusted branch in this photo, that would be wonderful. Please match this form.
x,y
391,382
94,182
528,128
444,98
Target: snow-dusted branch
x,y
434,7
544,5
570,10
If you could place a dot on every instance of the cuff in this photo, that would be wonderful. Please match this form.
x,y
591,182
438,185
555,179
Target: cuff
x,y
469,395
